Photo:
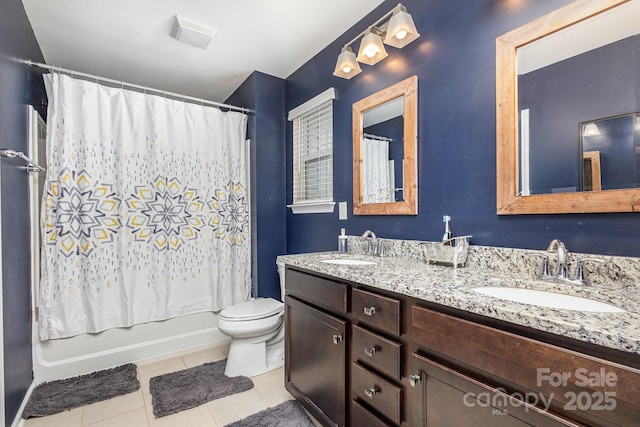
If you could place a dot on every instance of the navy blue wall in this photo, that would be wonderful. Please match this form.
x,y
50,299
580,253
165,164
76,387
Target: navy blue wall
x,y
265,95
16,83
454,60
561,96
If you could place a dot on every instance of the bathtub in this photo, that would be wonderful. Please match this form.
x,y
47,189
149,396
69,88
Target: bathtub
x,y
143,343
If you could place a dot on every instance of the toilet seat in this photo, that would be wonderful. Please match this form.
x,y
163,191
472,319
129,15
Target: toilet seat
x,y
258,308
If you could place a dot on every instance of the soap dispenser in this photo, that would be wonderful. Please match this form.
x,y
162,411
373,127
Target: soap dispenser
x,y
342,242
447,228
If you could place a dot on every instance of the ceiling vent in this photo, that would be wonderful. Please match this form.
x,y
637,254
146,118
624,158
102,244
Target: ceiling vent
x,y
193,33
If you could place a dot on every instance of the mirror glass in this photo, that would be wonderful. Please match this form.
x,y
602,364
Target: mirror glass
x,y
384,151
567,107
573,86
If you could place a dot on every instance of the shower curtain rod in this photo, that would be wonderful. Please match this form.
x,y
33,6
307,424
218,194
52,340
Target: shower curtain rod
x,y
379,138
135,86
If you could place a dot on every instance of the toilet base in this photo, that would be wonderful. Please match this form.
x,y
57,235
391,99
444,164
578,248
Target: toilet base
x,y
251,359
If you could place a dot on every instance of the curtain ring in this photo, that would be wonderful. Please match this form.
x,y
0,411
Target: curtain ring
x,y
96,76
121,84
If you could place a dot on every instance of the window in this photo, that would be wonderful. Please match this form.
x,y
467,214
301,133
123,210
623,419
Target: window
x,y
313,154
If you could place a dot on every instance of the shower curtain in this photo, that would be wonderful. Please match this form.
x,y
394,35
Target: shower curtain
x,y
375,165
145,213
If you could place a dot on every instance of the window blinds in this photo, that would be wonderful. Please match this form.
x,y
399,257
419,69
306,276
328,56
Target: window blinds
x,y
313,155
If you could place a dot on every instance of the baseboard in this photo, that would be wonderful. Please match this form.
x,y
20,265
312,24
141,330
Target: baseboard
x,y
18,421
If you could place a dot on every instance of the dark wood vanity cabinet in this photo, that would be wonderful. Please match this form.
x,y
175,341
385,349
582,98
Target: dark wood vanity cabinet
x,y
316,345
359,356
478,372
343,353
376,353
446,397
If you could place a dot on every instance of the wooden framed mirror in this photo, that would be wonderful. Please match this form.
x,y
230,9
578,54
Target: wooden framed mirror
x,y
569,179
385,128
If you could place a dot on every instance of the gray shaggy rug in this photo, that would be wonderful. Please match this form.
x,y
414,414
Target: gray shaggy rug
x,y
286,414
186,389
62,395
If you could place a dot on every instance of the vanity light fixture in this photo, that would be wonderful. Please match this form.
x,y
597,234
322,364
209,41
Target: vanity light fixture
x,y
347,65
591,129
401,30
395,28
371,48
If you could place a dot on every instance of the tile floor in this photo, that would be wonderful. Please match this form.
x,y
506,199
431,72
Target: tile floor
x,y
135,410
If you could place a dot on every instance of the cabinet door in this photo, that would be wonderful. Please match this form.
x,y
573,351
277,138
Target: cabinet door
x,y
315,361
444,397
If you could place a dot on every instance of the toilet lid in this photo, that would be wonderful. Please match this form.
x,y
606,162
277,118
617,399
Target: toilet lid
x,y
253,309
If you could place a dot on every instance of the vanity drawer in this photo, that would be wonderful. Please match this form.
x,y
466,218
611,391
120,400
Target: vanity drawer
x,y
384,396
535,366
317,290
376,351
376,310
361,417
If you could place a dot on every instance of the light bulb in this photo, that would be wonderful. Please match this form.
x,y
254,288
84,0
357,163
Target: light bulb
x,y
370,52
346,69
400,30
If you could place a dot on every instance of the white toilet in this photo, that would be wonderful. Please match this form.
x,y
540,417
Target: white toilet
x,y
256,328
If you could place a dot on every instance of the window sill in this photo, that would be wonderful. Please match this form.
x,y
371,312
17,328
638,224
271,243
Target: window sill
x,y
312,207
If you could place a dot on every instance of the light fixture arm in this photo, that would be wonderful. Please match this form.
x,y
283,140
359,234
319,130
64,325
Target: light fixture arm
x,y
380,30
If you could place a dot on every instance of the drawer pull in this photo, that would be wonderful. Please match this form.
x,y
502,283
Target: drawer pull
x,y
414,379
337,339
370,351
370,392
369,311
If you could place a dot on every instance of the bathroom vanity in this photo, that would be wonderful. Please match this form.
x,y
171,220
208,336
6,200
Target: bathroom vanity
x,y
399,342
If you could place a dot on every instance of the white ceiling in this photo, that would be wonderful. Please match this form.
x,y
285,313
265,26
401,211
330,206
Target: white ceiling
x,y
129,39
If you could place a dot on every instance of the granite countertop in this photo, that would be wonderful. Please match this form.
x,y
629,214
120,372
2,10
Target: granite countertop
x,y
454,288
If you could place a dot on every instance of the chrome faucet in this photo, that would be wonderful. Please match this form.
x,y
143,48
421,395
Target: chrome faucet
x,y
580,276
373,246
561,258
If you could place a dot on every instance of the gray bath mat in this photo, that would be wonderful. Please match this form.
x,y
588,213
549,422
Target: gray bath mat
x,y
62,395
186,389
286,414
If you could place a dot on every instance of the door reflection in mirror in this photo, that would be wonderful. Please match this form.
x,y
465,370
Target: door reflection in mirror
x,y
610,152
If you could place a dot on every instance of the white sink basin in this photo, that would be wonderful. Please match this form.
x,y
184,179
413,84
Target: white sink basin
x,y
549,299
344,261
